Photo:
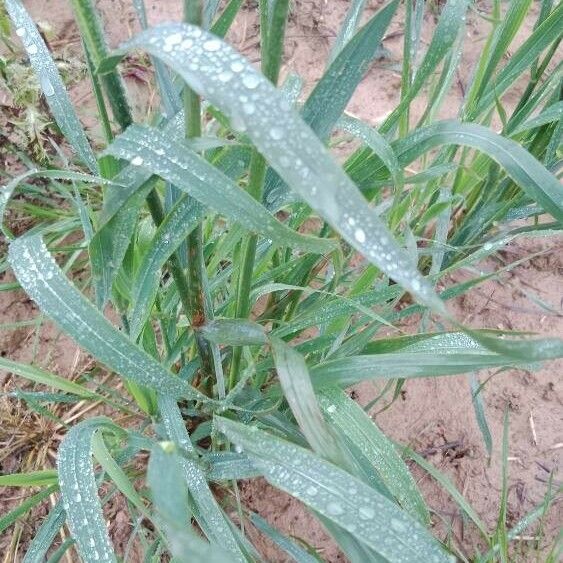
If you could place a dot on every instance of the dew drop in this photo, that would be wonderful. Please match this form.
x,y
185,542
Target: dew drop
x,y
351,221
137,161
251,81
20,32
237,66
276,133
212,45
360,236
331,409
398,526
366,512
334,508
225,76
174,39
248,108
186,43
46,86
32,49
312,491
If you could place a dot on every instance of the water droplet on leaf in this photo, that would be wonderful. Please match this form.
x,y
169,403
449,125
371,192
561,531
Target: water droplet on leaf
x,y
251,81
366,512
360,236
334,508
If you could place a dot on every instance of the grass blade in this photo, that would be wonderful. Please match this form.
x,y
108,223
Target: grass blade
x,y
171,233
546,33
480,415
296,552
8,519
80,491
151,149
330,491
450,25
348,27
332,93
300,395
30,479
208,514
37,375
446,484
344,372
351,419
170,496
234,332
43,539
51,84
536,181
378,144
11,186
42,279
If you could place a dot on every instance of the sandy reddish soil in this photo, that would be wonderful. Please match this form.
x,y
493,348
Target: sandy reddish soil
x,y
434,416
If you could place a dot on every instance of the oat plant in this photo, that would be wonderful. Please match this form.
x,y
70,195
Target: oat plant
x,y
222,239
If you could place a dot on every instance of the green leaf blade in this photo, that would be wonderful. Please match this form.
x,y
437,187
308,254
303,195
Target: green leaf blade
x,y
51,84
42,279
338,496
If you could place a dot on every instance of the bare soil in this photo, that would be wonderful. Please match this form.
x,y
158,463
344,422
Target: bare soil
x,y
434,416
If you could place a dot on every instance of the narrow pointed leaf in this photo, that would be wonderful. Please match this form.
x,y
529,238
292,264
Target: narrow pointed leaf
x,y
450,25
30,479
45,535
38,375
209,516
42,279
51,84
170,496
351,419
348,27
8,190
545,34
300,395
365,514
80,492
234,332
151,149
296,552
538,182
171,233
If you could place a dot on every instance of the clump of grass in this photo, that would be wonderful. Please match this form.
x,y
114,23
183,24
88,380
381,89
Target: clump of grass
x,y
195,231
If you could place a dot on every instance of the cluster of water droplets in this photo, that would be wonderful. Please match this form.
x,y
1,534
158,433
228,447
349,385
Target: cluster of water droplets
x,y
80,494
336,494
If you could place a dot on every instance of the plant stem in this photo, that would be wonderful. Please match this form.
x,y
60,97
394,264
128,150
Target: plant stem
x,y
96,50
193,13
272,49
